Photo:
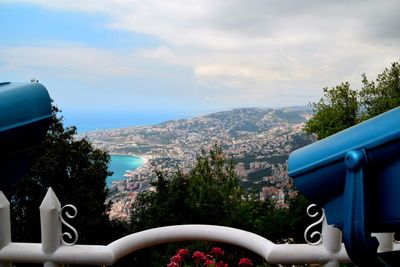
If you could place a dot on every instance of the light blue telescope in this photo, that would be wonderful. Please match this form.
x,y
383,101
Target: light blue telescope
x,y
355,176
25,115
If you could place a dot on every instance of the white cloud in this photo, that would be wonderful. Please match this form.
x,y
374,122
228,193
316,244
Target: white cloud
x,y
257,46
71,60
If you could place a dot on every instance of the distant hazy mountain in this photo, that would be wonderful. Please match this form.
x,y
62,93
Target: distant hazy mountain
x,y
237,121
259,141
237,129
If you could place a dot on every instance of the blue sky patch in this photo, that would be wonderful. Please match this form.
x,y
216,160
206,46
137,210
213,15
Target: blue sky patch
x,y
32,25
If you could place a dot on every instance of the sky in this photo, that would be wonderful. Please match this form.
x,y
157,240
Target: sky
x,y
164,59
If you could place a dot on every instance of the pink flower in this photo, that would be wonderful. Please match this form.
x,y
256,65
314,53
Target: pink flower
x,y
176,258
198,256
221,264
182,252
209,263
245,262
216,251
173,264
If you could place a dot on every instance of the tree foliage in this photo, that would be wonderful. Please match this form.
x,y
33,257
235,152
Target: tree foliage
x,y
342,107
76,172
336,111
211,194
383,94
207,194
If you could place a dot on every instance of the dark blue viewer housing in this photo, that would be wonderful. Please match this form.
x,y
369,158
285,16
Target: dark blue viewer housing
x,y
355,176
25,115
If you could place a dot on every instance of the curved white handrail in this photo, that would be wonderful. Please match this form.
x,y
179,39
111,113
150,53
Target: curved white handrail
x,y
168,234
271,252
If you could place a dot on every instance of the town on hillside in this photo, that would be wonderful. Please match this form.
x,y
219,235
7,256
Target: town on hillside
x,y
258,140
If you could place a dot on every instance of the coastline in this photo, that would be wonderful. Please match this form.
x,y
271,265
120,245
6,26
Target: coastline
x,y
143,158
123,174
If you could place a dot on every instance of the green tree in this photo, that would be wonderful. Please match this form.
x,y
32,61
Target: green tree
x,y
336,111
76,172
210,194
383,94
205,195
342,107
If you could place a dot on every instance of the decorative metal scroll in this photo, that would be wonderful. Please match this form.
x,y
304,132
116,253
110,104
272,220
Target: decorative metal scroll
x,y
307,235
73,237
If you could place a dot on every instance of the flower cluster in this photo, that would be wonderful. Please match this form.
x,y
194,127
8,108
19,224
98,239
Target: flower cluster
x,y
211,259
245,262
177,259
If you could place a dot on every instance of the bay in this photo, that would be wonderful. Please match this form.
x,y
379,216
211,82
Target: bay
x,y
119,164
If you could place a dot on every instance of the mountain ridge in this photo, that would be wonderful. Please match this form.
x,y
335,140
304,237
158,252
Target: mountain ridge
x,y
258,140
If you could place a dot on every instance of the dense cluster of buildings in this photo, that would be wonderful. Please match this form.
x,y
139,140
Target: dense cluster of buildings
x,y
258,140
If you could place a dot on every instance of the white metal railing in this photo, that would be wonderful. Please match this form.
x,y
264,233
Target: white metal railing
x,y
54,251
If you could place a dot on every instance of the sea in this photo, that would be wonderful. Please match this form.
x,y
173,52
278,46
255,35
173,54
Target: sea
x,y
87,121
119,164
100,120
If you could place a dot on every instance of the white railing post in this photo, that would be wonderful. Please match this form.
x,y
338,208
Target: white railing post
x,y
385,241
332,241
50,222
330,238
5,225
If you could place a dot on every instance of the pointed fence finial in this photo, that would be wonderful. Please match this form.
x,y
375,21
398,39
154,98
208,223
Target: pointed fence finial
x,y
5,225
50,212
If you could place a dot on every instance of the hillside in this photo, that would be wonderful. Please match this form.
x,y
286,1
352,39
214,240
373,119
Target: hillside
x,y
258,140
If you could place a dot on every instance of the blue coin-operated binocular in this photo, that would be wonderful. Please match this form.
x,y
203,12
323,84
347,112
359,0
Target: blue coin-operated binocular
x,y
355,176
25,115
